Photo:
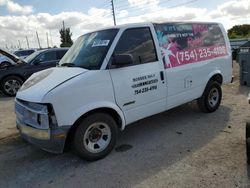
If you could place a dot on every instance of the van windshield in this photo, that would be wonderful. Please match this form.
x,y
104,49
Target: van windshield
x,y
89,50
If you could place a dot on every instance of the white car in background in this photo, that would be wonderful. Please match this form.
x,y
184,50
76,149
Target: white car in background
x,y
8,59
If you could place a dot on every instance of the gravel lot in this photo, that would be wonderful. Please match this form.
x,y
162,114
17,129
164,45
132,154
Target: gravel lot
x,y
178,148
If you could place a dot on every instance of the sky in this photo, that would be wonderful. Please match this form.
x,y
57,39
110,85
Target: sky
x,y
22,18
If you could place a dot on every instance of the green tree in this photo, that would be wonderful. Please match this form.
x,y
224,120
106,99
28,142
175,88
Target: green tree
x,y
239,31
233,35
65,36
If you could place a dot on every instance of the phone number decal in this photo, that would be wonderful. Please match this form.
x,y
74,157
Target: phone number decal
x,y
200,54
145,89
143,84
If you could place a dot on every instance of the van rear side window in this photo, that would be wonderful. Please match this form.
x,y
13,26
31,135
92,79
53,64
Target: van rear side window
x,y
184,43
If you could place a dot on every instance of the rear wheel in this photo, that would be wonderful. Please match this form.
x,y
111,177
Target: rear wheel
x,y
211,97
95,137
11,85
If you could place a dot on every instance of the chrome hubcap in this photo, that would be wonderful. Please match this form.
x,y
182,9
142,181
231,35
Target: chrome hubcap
x,y
97,137
213,97
12,86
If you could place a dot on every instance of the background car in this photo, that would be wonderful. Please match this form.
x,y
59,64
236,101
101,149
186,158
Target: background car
x,y
12,78
24,53
8,59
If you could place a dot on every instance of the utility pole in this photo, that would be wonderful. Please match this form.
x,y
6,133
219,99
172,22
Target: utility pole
x,y
19,44
38,40
51,42
113,11
27,42
64,34
47,39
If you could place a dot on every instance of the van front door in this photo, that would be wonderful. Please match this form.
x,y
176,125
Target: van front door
x,y
139,84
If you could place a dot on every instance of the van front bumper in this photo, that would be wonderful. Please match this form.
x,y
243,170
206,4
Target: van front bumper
x,y
52,140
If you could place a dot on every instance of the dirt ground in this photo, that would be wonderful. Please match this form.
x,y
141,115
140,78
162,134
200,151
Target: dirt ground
x,y
7,117
178,148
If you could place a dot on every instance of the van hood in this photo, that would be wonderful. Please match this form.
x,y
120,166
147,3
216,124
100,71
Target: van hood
x,y
41,83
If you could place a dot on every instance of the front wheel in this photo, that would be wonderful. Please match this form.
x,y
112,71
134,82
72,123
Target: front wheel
x,y
211,97
11,85
95,136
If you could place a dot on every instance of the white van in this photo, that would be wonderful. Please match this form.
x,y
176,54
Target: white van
x,y
112,77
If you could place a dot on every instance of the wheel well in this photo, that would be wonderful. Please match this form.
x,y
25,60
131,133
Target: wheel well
x,y
72,130
217,77
12,75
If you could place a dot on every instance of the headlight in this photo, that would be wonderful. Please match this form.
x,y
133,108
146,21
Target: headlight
x,y
36,115
43,120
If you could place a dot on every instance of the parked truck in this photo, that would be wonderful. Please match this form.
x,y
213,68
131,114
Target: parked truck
x,y
113,77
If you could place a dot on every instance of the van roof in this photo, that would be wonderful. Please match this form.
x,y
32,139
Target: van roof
x,y
148,24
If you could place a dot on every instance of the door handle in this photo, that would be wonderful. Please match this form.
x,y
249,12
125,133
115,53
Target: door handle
x,y
162,75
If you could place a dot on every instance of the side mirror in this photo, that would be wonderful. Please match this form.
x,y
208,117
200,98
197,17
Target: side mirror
x,y
121,60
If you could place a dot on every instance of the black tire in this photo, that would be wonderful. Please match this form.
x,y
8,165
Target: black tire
x,y
11,85
5,64
211,97
248,142
86,133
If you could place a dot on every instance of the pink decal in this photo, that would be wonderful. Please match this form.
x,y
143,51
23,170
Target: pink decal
x,y
190,43
194,42
200,28
195,55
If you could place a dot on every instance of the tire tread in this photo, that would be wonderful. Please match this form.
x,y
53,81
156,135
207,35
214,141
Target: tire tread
x,y
202,101
78,137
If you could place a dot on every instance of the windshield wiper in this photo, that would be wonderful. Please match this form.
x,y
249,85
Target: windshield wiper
x,y
67,65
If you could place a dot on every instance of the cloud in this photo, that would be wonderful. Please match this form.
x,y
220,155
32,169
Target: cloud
x,y
16,8
14,28
55,21
122,14
215,14
233,9
99,12
13,7
3,2
230,13
173,14
143,3
236,8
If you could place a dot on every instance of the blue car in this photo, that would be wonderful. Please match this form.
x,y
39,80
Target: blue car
x,y
12,77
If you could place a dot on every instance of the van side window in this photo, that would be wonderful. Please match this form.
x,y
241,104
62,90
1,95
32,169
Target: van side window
x,y
137,43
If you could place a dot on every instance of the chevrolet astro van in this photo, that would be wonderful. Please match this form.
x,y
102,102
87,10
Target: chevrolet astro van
x,y
115,76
